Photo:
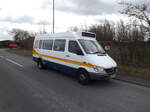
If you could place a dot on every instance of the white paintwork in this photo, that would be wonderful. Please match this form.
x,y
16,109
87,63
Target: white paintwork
x,y
73,35
103,61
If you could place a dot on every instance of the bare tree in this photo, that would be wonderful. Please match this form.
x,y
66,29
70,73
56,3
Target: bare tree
x,y
129,32
19,34
140,11
121,31
104,32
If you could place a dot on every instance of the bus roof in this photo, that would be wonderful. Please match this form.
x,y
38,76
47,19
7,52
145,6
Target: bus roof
x,y
68,35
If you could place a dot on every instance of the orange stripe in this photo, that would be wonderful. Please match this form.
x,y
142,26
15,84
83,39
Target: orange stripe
x,y
66,60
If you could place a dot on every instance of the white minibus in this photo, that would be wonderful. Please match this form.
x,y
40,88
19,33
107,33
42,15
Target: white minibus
x,y
75,53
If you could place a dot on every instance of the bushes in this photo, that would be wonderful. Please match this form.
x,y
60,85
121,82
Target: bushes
x,y
23,38
5,43
131,53
27,43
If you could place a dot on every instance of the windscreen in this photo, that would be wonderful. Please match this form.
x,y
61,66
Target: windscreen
x,y
91,46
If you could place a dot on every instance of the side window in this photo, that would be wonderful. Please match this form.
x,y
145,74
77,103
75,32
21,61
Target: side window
x,y
73,47
59,45
44,44
40,44
36,44
47,44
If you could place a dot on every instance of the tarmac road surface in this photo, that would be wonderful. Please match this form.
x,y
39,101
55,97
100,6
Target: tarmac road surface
x,y
25,88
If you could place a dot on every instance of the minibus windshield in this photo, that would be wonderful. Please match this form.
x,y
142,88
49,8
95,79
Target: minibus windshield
x,y
91,46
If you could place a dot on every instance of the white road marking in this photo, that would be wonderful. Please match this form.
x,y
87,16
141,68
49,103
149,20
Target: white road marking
x,y
12,61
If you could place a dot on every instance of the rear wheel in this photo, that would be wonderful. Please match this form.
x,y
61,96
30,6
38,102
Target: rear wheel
x,y
83,77
40,65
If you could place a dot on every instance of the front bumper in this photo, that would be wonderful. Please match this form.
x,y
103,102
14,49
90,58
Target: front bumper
x,y
100,76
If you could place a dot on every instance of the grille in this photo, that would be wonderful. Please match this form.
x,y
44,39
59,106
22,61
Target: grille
x,y
110,70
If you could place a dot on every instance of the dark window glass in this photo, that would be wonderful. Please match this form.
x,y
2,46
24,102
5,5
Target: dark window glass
x,y
47,44
44,44
91,46
59,45
40,44
73,47
50,44
36,44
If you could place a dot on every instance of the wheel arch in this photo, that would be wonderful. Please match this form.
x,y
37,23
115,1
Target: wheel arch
x,y
81,68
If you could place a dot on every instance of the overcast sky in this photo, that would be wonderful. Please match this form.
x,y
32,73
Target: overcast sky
x,y
30,14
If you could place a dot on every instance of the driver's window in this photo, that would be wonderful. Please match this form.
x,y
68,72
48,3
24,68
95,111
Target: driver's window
x,y
73,47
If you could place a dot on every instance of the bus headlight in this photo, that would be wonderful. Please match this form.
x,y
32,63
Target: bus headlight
x,y
97,69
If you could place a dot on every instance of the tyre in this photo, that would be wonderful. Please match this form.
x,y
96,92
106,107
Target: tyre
x,y
83,77
40,65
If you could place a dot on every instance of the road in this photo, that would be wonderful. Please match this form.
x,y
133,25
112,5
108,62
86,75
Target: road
x,y
25,88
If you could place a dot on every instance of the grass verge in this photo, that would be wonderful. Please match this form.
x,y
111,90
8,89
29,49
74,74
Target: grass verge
x,y
141,72
20,51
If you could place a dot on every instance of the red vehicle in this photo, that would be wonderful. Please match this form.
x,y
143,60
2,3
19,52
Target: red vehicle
x,y
14,46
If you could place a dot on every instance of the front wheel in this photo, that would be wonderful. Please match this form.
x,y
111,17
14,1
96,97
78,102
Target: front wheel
x,y
83,77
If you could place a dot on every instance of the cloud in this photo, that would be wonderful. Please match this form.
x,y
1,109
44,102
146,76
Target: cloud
x,y
4,34
22,19
47,4
44,23
86,7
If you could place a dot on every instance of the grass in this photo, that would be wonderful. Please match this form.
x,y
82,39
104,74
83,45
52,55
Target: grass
x,y
20,51
142,72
